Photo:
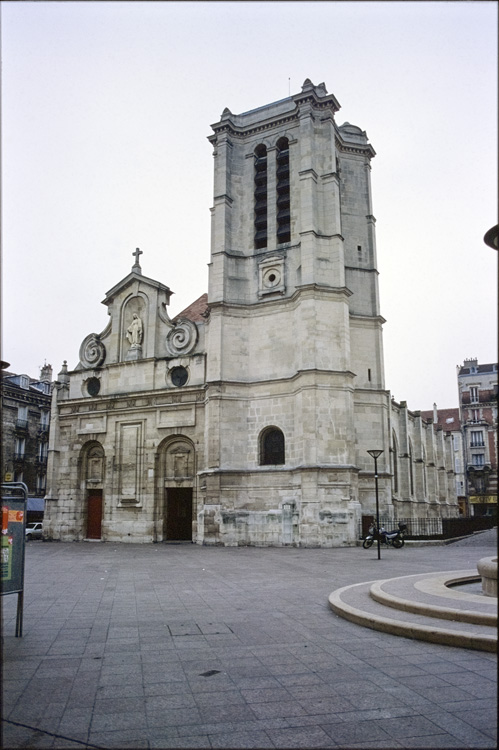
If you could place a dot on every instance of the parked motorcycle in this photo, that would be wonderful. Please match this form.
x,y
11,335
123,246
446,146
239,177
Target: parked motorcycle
x,y
393,538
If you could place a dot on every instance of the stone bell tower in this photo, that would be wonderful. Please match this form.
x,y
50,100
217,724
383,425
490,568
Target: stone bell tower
x,y
295,384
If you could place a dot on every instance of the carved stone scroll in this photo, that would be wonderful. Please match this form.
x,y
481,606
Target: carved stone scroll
x,y
182,338
92,352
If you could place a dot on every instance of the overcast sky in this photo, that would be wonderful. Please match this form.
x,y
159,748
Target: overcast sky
x,y
106,109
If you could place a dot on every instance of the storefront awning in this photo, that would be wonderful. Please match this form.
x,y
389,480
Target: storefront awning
x,y
36,503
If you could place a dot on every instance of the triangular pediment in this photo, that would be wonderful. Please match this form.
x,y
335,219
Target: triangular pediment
x,y
132,278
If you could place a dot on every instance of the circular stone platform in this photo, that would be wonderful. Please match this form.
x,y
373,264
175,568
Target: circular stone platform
x,y
416,606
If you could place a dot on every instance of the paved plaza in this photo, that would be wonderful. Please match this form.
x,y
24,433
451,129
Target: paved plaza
x,y
176,645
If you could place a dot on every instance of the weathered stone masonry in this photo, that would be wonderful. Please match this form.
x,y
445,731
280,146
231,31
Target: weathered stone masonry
x,y
247,419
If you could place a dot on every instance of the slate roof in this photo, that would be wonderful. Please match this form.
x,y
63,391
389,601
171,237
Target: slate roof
x,y
479,369
443,416
196,311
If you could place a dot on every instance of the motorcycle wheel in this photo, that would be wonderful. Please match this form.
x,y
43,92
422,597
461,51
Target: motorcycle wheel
x,y
398,543
367,543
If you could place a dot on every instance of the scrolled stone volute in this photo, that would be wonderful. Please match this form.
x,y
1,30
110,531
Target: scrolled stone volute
x,y
182,338
92,352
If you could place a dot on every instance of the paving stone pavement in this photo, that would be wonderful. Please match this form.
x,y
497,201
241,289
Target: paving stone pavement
x,y
176,646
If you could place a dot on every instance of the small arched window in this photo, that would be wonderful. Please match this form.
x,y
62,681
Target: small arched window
x,y
260,197
271,447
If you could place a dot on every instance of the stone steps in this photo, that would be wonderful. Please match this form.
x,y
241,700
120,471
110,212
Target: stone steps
x,y
423,607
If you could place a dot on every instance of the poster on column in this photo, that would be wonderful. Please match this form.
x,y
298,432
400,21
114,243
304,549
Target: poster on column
x,y
13,540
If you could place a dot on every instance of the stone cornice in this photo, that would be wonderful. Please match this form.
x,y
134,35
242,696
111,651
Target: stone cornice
x,y
148,401
259,255
350,148
223,198
364,270
265,469
320,236
251,307
339,290
20,394
219,384
368,318
308,97
227,126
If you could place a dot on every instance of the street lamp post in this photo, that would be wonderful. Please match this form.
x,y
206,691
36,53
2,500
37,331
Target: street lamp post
x,y
376,454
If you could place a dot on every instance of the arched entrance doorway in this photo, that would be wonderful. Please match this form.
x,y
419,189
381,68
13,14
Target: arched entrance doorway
x,y
93,471
178,487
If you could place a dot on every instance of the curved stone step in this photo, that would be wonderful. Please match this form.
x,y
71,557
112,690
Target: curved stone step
x,y
430,595
354,603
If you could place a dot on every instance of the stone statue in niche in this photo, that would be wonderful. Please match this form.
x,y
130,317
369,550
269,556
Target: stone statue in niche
x,y
135,331
134,335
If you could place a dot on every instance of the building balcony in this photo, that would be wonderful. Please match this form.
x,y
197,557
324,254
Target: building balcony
x,y
22,424
41,460
486,467
19,456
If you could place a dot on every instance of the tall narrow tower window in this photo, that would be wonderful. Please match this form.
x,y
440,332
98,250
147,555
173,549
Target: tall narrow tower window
x,y
260,197
411,469
283,201
395,457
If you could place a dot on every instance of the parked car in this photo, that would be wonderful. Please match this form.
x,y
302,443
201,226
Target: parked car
x,y
34,531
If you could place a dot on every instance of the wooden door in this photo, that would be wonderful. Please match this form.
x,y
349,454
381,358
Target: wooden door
x,y
366,522
178,522
94,514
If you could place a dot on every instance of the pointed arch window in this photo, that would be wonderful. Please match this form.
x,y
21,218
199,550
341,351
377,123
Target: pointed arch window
x,y
283,191
260,194
271,447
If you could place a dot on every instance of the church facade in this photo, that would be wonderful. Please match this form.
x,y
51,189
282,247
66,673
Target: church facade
x,y
247,418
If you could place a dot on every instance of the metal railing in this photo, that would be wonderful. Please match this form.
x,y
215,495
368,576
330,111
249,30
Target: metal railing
x,y
422,527
433,528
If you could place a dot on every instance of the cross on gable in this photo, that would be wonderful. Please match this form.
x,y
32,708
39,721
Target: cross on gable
x,y
136,255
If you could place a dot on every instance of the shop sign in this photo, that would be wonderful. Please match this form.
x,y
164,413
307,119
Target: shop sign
x,y
483,499
13,541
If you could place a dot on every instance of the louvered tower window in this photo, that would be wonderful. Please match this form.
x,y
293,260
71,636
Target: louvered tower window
x,y
260,197
283,202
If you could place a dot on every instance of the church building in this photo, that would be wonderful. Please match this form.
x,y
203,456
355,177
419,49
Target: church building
x,y
247,419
